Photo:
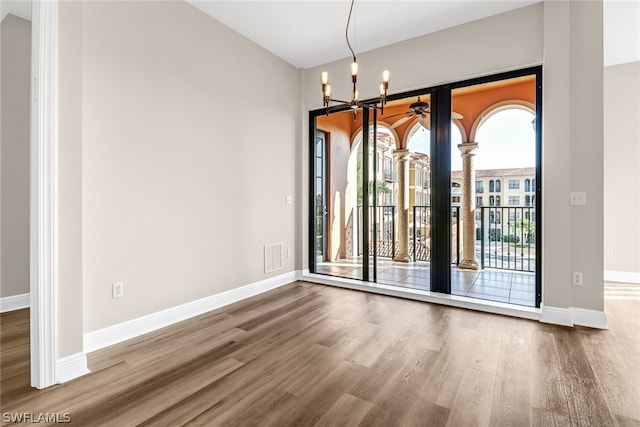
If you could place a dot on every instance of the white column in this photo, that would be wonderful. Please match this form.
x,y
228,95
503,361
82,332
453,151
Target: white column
x,y
468,206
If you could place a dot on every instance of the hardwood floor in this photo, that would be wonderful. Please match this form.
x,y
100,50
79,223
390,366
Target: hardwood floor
x,y
305,355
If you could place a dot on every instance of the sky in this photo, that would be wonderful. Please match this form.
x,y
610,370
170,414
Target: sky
x,y
505,140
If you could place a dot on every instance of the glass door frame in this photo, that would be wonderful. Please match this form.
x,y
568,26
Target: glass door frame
x,y
364,233
440,177
530,71
324,190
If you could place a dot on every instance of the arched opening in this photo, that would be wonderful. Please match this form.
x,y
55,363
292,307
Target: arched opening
x,y
385,191
506,140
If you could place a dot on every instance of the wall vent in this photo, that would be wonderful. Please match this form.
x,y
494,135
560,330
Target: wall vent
x,y
273,257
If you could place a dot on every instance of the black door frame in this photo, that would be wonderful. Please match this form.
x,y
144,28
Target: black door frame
x,y
440,174
325,188
313,128
537,72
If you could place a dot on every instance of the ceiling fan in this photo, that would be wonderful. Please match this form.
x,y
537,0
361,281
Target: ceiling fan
x,y
421,110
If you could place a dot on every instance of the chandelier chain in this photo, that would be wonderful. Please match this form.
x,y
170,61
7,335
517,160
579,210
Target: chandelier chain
x,y
346,32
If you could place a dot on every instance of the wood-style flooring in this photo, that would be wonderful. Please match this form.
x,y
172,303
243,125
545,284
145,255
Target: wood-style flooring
x,y
313,355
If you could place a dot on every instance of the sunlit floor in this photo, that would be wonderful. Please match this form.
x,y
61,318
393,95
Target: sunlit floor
x,y
512,287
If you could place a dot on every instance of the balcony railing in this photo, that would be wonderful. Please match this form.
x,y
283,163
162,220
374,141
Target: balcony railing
x,y
506,238
385,230
420,243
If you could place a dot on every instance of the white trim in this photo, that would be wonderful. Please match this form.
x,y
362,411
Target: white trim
x,y
433,297
573,316
556,315
71,367
300,274
14,302
591,318
621,276
44,192
114,334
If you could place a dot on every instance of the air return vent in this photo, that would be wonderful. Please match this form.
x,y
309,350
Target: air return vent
x,y
273,257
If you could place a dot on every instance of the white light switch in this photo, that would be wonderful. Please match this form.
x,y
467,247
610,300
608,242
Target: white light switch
x,y
577,198
289,200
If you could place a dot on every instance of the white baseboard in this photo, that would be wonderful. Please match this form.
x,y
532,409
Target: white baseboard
x,y
621,276
573,316
110,335
591,318
71,367
555,315
15,302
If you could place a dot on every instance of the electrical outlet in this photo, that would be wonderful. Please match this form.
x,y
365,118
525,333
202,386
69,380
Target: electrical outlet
x,y
117,290
609,251
577,278
577,198
289,253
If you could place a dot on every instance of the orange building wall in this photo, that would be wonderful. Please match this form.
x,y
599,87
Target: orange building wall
x,y
339,129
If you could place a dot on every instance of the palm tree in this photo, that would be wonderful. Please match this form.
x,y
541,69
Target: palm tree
x,y
383,187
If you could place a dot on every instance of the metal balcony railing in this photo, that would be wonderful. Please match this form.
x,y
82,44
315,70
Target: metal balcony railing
x,y
420,246
386,241
506,237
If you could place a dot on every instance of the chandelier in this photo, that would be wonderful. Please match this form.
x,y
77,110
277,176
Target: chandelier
x,y
355,103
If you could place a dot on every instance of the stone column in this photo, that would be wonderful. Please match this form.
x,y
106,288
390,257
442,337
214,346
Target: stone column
x,y
402,161
468,206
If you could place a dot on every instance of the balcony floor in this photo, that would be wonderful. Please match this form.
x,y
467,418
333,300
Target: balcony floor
x,y
507,286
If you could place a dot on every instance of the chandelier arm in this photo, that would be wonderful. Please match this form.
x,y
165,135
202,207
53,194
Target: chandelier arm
x,y
339,101
346,31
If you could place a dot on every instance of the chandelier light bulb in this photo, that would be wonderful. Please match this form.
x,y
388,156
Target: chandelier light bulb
x,y
354,68
325,77
327,91
385,76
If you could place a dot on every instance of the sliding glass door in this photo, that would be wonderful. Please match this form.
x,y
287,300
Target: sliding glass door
x,y
397,200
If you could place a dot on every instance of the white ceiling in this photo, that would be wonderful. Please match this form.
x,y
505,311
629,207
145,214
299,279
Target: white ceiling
x,y
621,31
307,33
19,8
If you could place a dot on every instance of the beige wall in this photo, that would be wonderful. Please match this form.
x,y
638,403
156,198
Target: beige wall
x,y
14,170
622,167
70,290
188,141
563,36
176,151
